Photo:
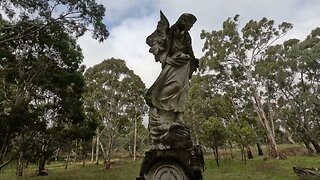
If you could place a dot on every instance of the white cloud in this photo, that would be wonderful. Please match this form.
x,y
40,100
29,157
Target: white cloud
x,y
127,42
134,20
121,9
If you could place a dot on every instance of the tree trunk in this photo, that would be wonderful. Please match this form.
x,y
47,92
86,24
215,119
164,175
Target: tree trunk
x,y
260,152
27,163
249,152
135,140
242,153
108,164
270,136
75,156
57,155
244,157
195,134
42,162
92,150
97,148
256,101
197,139
3,164
316,146
19,171
3,149
288,134
41,166
230,148
67,161
307,144
3,152
104,153
216,155
309,138
289,138
271,115
84,159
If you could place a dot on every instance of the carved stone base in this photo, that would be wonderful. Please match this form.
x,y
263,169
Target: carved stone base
x,y
174,164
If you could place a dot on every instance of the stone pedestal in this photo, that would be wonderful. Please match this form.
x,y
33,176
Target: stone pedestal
x,y
185,164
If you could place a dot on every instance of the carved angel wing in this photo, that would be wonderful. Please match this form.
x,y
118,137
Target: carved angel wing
x,y
158,39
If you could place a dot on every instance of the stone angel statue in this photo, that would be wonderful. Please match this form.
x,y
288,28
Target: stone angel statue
x,y
171,46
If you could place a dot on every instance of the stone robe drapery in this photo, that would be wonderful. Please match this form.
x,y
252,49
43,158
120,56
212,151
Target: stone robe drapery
x,y
169,92
168,95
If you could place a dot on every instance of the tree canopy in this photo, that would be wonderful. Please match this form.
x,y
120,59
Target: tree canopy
x,y
233,54
41,77
115,98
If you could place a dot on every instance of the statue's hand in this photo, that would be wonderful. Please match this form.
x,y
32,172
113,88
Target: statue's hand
x,y
182,56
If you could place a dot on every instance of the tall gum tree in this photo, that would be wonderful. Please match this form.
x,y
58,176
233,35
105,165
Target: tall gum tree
x,y
115,96
39,69
77,17
293,70
232,48
40,77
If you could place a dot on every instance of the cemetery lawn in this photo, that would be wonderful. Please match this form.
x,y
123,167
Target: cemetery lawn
x,y
125,169
257,168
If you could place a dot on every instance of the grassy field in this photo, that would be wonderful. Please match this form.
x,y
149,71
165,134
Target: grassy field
x,y
257,168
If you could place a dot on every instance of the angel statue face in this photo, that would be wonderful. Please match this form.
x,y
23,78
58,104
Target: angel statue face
x,y
186,21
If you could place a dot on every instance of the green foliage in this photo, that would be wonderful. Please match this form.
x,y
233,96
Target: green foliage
x,y
41,83
114,91
235,48
114,99
237,59
204,101
241,133
75,16
213,133
126,141
292,72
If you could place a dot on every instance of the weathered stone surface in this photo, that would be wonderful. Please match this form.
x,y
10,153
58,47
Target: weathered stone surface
x,y
167,96
172,155
185,164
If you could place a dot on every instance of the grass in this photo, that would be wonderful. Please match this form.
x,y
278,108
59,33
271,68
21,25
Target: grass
x,y
258,168
123,170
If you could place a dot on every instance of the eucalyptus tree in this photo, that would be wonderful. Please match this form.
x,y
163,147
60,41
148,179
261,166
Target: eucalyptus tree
x,y
293,71
213,96
115,97
197,104
42,85
134,136
205,101
39,71
308,88
23,18
136,107
232,49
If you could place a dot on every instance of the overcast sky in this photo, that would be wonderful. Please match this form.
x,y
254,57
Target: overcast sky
x,y
131,21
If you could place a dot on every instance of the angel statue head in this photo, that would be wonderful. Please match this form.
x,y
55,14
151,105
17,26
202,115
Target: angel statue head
x,y
159,40
186,21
